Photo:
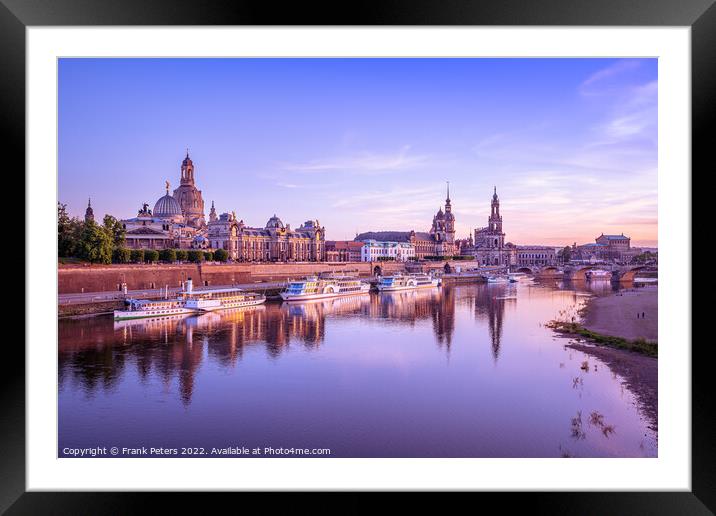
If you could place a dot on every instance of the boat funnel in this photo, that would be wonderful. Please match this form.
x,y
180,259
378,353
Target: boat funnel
x,y
189,286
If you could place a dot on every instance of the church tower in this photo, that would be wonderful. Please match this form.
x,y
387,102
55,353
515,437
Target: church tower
x,y
189,196
495,220
89,212
494,224
212,213
449,219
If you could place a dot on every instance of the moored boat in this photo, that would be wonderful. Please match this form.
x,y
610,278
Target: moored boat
x,y
143,308
189,301
598,274
406,282
314,287
497,279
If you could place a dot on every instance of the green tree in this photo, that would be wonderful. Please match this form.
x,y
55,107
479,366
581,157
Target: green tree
x,y
151,256
95,244
137,255
182,255
208,256
115,229
69,232
221,255
196,256
566,254
121,255
168,255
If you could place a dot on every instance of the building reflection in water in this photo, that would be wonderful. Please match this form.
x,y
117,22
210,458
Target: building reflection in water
x,y
490,303
95,352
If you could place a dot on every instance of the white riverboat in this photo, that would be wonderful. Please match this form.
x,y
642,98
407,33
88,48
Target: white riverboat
x,y
143,308
314,287
598,274
209,300
497,279
514,277
406,282
189,301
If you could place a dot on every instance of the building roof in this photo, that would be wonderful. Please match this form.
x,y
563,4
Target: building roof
x,y
167,207
385,236
613,237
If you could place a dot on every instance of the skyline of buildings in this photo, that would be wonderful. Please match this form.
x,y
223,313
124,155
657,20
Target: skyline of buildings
x,y
352,140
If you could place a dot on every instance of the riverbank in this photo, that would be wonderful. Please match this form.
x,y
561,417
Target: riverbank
x,y
620,314
611,331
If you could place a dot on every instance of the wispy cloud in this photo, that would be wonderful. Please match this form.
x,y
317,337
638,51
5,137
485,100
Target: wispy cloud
x,y
603,82
364,162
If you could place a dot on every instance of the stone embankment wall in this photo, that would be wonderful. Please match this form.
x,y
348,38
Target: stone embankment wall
x,y
104,278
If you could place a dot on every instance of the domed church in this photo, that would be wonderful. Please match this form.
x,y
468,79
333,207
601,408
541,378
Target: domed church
x,y
168,208
189,196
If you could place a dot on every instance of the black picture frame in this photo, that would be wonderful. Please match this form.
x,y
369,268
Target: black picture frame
x,y
700,15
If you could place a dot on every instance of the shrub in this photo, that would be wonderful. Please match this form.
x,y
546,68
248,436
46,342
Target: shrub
x,y
208,256
196,256
137,255
221,255
121,255
151,256
182,255
168,255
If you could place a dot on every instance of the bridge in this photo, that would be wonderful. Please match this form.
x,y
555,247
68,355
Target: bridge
x,y
578,272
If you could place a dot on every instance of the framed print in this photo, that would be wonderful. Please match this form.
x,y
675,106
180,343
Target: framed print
x,y
434,250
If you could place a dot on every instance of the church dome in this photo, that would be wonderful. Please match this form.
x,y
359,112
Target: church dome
x,y
274,223
167,207
440,214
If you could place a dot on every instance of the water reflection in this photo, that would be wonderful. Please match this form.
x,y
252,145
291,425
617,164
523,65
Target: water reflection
x,y
353,373
95,351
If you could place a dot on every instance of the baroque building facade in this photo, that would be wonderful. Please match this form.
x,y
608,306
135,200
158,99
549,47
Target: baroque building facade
x,y
275,242
438,241
488,245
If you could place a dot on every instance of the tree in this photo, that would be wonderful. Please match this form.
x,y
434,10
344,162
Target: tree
x,y
196,256
151,256
68,232
168,255
115,229
566,254
182,255
209,256
95,244
121,255
221,255
137,255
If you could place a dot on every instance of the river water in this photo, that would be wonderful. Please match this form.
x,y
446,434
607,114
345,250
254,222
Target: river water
x,y
462,371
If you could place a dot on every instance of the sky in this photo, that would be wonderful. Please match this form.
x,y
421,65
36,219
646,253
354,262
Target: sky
x,y
369,144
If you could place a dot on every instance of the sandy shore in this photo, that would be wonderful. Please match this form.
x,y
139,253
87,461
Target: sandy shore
x,y
616,314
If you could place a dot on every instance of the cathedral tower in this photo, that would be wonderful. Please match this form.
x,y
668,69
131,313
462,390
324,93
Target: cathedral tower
x,y
189,196
89,212
449,218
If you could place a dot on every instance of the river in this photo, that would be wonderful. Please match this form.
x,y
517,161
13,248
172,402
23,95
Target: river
x,y
462,371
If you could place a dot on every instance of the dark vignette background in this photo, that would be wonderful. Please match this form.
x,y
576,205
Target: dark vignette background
x,y
15,15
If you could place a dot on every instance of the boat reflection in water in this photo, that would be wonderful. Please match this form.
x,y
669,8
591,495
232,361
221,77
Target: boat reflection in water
x,y
455,371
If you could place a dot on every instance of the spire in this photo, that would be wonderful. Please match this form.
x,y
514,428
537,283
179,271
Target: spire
x,y
167,185
89,213
448,192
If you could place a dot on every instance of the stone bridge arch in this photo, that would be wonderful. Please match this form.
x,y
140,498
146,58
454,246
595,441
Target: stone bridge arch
x,y
526,270
629,273
579,273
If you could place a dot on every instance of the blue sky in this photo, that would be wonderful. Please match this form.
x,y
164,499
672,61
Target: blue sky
x,y
368,144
